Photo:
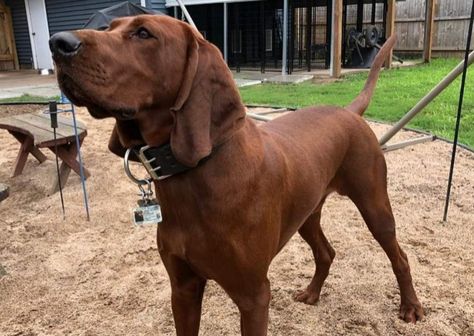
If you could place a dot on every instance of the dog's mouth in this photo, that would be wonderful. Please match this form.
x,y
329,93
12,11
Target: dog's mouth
x,y
69,88
96,105
100,113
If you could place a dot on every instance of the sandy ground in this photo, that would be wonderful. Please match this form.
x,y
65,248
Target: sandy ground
x,y
105,277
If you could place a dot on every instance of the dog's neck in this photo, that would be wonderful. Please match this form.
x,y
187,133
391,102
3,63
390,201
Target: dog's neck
x,y
246,146
155,128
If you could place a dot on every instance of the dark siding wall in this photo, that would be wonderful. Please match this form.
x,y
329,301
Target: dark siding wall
x,y
22,35
70,15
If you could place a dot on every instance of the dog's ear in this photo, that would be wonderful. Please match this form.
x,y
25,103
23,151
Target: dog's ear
x,y
125,135
208,105
189,72
190,138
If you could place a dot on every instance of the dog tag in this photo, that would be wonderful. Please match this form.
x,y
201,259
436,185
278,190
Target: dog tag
x,y
147,212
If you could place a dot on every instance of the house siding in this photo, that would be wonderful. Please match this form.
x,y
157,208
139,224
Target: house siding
x,y
21,33
62,15
158,5
70,15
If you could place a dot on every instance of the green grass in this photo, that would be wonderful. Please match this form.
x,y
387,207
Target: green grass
x,y
26,98
398,90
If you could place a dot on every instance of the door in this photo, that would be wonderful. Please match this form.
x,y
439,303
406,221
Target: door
x,y
8,57
39,33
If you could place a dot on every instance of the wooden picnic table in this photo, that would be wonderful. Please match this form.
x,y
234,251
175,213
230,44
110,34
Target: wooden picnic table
x,y
34,131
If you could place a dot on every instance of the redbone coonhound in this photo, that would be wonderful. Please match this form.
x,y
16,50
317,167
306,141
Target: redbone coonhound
x,y
248,188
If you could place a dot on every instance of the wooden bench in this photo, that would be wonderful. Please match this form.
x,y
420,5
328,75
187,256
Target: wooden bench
x,y
34,131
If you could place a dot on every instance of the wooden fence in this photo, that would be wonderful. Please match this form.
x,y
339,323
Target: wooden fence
x,y
451,25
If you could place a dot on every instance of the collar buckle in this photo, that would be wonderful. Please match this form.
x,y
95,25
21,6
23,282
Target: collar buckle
x,y
150,164
160,162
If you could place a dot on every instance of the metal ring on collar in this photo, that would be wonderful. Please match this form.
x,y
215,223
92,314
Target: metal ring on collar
x,y
126,167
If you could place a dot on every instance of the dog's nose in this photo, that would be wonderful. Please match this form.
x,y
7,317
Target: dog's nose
x,y
65,43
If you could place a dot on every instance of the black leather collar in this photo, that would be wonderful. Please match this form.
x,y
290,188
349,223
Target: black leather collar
x,y
160,161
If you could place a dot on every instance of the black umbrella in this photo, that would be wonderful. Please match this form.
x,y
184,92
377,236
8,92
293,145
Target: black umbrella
x,y
101,20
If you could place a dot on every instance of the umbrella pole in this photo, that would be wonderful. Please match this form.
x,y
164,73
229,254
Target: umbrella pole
x,y
186,13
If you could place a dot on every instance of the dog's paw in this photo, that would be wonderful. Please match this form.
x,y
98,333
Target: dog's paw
x,y
307,296
411,312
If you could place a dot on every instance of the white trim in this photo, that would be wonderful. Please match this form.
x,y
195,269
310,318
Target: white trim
x,y
174,3
32,43
143,3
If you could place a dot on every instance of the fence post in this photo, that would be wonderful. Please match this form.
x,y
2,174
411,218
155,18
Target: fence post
x,y
336,38
390,29
429,22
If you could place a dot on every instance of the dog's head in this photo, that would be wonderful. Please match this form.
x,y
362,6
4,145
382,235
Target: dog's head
x,y
157,77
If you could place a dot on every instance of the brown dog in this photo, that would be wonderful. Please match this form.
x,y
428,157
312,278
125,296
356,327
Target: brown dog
x,y
251,187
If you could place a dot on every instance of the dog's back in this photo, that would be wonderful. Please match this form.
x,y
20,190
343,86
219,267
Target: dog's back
x,y
321,136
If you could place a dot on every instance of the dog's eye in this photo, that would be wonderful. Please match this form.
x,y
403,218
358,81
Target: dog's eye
x,y
143,33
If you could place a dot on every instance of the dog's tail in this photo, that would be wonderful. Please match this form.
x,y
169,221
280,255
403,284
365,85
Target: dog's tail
x,y
359,105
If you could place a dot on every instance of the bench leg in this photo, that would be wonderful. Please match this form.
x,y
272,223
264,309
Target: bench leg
x,y
68,154
64,172
33,150
20,161
37,154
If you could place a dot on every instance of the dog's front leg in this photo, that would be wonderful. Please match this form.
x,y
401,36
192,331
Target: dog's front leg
x,y
253,300
187,289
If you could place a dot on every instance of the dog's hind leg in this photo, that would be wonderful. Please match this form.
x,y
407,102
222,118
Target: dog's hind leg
x,y
323,255
367,188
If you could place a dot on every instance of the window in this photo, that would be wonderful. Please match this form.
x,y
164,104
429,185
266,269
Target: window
x,y
268,39
236,41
